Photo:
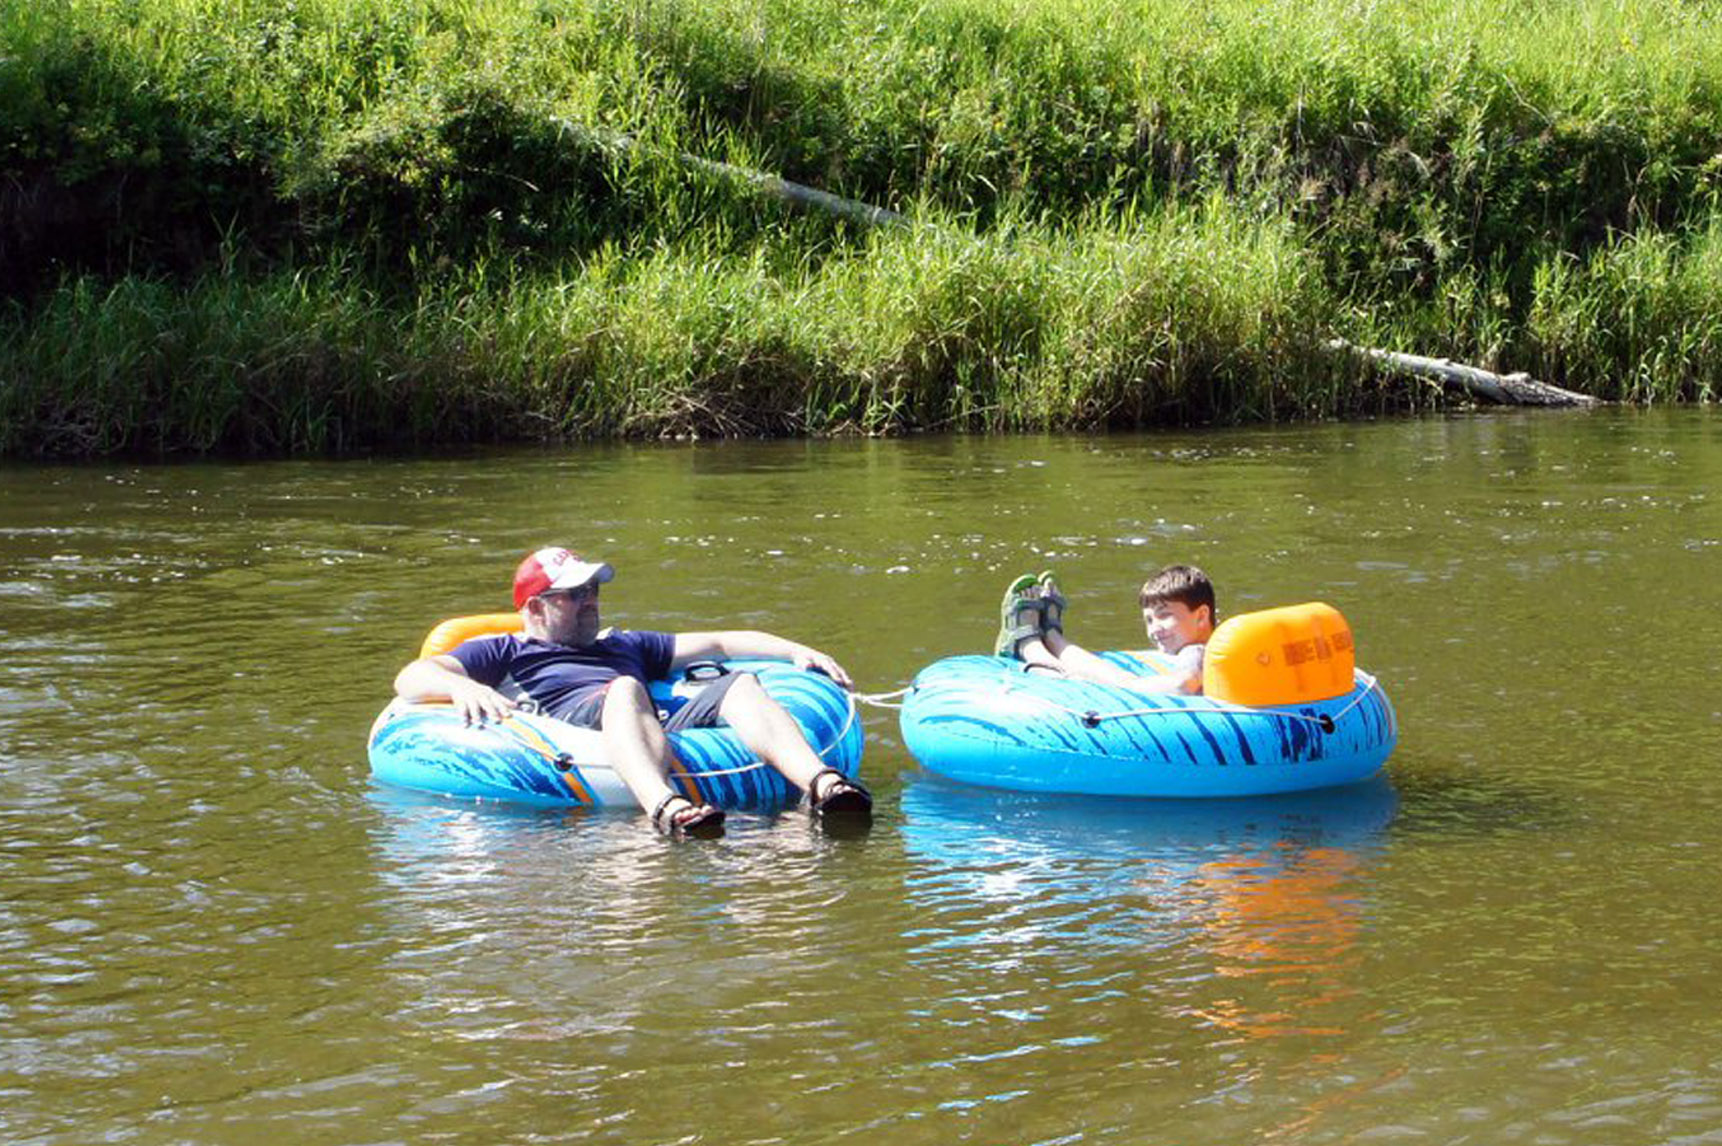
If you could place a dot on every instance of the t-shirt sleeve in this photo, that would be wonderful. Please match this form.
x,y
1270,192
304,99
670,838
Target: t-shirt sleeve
x,y
657,651
485,659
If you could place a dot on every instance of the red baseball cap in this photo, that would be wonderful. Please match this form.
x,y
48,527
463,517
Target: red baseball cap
x,y
555,568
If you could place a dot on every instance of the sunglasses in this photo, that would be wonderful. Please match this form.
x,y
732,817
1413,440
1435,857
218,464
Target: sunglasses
x,y
574,596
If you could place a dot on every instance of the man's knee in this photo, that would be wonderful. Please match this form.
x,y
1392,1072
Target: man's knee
x,y
626,693
746,694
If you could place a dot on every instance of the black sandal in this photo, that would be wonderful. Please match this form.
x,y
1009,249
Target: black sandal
x,y
702,821
845,797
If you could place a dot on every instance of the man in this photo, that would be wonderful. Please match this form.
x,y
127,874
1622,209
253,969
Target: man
x,y
597,679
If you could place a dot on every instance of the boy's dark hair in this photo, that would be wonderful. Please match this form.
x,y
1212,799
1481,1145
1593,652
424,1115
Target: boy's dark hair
x,y
1185,584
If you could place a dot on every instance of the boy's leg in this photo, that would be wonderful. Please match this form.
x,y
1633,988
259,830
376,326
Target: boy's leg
x,y
1037,651
1081,664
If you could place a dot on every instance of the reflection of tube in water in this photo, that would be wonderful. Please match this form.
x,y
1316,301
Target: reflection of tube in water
x,y
1289,920
1267,887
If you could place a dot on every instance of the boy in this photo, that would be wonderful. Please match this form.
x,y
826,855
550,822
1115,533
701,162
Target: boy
x,y
1178,612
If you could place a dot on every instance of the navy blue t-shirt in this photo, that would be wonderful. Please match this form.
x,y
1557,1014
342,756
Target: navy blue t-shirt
x,y
559,677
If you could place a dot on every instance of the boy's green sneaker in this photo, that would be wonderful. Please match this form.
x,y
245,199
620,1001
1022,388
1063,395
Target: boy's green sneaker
x,y
1019,615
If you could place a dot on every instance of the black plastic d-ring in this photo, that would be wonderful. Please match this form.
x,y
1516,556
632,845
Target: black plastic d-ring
x,y
1326,723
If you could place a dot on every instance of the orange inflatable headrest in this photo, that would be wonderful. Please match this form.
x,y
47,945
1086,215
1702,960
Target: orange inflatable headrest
x,y
1289,655
457,629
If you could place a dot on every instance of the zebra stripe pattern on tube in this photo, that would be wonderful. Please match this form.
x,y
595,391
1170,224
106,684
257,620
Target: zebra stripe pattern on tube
x,y
985,720
530,759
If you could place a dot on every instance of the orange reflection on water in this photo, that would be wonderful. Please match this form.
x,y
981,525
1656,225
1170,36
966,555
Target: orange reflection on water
x,y
1286,919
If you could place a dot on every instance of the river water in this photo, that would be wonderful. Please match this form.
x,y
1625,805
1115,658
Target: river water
x,y
215,930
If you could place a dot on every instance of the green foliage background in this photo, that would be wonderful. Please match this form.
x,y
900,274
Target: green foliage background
x,y
335,224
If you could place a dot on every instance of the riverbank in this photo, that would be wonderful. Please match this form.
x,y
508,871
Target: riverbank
x,y
338,226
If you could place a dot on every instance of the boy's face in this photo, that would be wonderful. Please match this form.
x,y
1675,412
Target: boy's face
x,y
1172,624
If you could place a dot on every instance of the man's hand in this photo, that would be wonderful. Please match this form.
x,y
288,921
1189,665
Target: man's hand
x,y
443,678
478,703
806,658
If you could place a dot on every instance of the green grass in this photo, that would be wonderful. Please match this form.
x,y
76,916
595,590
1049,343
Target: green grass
x,y
326,224
1190,313
1640,320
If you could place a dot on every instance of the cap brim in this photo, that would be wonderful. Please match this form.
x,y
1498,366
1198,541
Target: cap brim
x,y
584,573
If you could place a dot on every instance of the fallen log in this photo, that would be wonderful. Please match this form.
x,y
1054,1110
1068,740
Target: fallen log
x,y
772,186
1517,389
799,194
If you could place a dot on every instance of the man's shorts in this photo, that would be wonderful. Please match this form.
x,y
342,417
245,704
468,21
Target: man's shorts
x,y
701,710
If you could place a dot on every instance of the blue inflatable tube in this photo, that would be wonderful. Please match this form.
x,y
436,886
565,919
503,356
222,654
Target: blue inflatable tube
x,y
984,720
537,760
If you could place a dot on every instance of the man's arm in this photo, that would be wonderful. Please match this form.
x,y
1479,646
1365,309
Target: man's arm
x,y
748,643
444,678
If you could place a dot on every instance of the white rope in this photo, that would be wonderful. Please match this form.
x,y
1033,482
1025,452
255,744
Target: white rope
x,y
883,699
753,767
1091,717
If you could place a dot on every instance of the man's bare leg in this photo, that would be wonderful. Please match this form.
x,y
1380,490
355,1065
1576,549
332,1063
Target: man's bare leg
x,y
773,735
639,750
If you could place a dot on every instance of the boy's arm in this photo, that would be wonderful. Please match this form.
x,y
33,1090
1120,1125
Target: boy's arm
x,y
1183,678
1173,683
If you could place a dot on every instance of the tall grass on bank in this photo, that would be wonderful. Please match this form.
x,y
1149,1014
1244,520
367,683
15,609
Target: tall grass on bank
x,y
1413,136
248,225
1188,314
1639,321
